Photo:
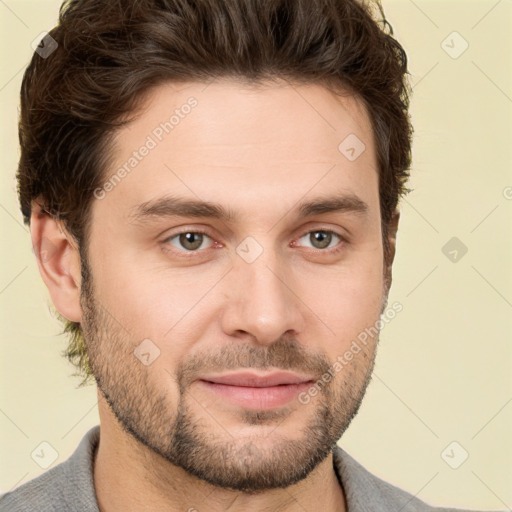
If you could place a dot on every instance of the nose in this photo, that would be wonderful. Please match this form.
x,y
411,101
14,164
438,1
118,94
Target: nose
x,y
262,303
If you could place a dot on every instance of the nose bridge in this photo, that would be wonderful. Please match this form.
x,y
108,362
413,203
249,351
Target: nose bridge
x,y
261,302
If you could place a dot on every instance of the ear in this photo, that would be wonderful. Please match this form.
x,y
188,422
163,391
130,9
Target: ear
x,y
389,258
58,260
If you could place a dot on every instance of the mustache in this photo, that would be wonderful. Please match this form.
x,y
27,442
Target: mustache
x,y
283,354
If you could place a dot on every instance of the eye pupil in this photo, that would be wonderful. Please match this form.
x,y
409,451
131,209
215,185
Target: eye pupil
x,y
323,237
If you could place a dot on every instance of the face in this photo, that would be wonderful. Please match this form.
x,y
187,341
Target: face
x,y
215,331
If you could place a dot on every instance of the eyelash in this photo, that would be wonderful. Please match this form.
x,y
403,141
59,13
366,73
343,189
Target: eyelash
x,y
187,254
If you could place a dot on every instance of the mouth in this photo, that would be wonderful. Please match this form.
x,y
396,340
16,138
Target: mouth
x,y
257,391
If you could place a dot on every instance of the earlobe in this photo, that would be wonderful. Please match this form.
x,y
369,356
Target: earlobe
x,y
58,261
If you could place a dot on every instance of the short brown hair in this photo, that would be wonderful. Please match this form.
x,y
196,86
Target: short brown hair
x,y
110,53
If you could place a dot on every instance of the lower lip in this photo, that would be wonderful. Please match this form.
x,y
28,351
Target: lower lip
x,y
259,399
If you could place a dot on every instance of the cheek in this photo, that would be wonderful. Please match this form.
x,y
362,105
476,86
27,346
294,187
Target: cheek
x,y
343,302
137,298
359,307
347,302
165,307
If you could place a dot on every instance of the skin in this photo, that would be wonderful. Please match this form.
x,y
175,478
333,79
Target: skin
x,y
167,443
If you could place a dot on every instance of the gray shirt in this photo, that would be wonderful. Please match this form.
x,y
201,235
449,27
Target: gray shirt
x,y
69,486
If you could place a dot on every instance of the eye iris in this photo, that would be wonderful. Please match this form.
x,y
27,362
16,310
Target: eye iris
x,y
186,238
321,236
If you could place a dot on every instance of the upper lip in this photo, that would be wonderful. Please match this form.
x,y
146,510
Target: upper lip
x,y
251,379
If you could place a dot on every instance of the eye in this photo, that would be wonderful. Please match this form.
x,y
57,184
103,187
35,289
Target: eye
x,y
191,241
321,239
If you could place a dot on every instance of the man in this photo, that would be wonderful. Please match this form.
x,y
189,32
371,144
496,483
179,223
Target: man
x,y
212,192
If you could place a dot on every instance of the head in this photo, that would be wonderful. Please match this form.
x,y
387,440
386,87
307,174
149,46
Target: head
x,y
287,125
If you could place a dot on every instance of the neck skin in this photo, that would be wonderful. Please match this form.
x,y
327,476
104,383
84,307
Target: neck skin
x,y
123,482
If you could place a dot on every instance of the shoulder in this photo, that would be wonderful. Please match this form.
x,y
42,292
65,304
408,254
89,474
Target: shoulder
x,y
41,493
67,486
365,491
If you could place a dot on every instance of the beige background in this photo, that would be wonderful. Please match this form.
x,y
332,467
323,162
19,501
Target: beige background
x,y
443,371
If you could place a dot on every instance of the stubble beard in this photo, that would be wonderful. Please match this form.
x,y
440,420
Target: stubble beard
x,y
197,443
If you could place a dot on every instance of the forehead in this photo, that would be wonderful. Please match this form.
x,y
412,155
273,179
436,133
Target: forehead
x,y
244,145
241,111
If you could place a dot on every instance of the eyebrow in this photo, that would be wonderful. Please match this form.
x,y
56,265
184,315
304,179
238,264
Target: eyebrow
x,y
175,206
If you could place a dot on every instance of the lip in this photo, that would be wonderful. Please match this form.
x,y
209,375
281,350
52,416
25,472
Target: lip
x,y
257,391
253,380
